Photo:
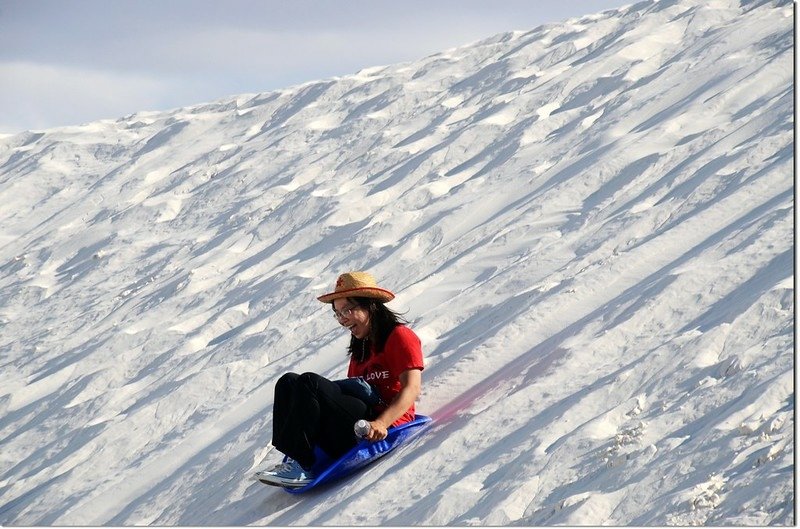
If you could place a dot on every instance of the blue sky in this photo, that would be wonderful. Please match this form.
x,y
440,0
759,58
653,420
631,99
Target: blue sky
x,y
66,62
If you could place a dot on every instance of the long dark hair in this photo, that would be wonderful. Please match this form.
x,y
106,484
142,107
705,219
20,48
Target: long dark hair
x,y
382,320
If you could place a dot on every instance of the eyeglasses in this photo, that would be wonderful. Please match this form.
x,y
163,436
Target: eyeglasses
x,y
344,313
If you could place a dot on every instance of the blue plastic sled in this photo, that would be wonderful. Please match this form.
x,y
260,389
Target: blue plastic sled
x,y
361,455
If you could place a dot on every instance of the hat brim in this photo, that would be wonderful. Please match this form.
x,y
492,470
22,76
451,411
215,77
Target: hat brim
x,y
361,292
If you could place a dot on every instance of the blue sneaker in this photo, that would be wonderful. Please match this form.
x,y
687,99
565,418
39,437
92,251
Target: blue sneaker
x,y
288,474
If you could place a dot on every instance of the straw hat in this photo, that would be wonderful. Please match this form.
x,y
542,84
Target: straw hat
x,y
357,285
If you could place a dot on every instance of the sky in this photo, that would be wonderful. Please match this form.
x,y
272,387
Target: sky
x,y
68,62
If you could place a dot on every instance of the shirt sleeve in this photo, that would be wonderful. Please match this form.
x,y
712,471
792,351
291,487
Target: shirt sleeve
x,y
403,350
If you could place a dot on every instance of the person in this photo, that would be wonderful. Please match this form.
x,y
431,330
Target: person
x,y
384,381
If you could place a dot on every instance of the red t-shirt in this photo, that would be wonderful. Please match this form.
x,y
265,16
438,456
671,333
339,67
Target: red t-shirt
x,y
403,351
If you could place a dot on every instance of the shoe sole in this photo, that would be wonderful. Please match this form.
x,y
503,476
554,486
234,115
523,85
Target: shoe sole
x,y
284,484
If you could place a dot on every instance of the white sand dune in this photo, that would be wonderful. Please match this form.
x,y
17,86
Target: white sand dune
x,y
590,225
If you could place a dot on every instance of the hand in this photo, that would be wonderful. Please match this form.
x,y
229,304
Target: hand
x,y
378,431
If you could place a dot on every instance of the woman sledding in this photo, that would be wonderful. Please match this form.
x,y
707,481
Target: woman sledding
x,y
384,380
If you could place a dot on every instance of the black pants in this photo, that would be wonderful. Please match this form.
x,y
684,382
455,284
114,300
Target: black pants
x,y
310,410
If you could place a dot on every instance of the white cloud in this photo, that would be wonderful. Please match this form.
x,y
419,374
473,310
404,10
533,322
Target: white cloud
x,y
42,95
237,60
182,68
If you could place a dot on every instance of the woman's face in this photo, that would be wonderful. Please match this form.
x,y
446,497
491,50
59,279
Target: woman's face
x,y
350,315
